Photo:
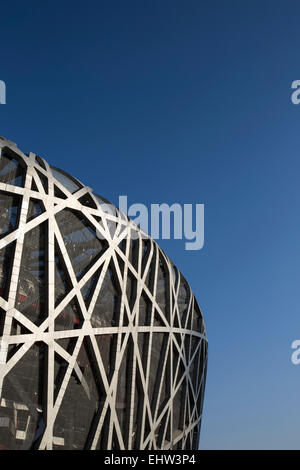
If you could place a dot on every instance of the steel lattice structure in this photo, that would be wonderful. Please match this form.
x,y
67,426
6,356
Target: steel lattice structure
x,y
103,345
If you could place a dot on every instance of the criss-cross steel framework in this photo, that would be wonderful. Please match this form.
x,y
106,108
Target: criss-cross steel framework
x,y
102,342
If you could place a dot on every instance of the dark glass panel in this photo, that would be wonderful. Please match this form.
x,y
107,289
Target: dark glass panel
x,y
131,288
32,292
158,353
2,320
80,238
21,411
106,310
195,363
35,209
177,404
6,260
12,349
183,301
59,193
105,203
11,172
9,213
145,309
66,180
89,287
62,280
40,162
70,318
162,289
146,250
123,391
33,185
68,344
18,329
60,369
106,345
195,437
150,277
79,405
44,181
197,319
162,390
87,200
202,375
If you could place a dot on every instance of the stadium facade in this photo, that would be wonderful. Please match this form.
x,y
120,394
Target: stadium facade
x,y
102,342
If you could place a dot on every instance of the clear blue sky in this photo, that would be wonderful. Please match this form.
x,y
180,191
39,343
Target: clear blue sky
x,y
189,102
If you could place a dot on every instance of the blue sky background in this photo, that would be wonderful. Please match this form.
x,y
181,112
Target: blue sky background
x,y
189,102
